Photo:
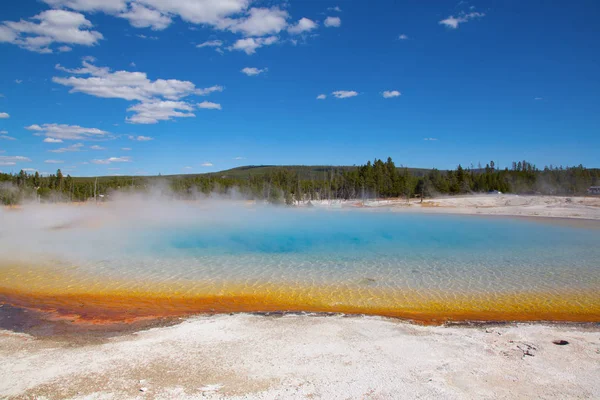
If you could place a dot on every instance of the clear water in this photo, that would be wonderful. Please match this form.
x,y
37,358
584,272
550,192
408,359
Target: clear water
x,y
429,266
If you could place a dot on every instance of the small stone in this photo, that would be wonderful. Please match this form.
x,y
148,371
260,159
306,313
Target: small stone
x,y
560,342
143,389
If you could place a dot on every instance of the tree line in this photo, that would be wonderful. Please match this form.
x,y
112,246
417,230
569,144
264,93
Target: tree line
x,y
377,179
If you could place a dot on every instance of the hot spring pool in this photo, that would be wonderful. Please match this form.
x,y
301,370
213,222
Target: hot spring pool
x,y
430,268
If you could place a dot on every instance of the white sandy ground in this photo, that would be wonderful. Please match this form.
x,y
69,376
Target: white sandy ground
x,y
487,204
305,357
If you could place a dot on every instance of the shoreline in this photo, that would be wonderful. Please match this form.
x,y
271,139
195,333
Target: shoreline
x,y
307,356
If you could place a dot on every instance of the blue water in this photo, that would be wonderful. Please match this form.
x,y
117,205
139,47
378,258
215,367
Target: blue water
x,y
394,249
352,259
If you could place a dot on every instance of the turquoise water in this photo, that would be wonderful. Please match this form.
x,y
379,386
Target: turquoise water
x,y
394,249
345,259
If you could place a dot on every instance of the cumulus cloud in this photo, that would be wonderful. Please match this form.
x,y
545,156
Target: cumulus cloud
x,y
150,112
452,22
59,132
158,14
261,22
123,84
68,149
209,105
158,100
52,140
13,160
391,93
249,45
403,37
140,138
49,27
54,161
4,136
111,160
343,94
321,97
333,22
303,25
4,115
251,71
64,49
107,6
96,147
206,164
140,16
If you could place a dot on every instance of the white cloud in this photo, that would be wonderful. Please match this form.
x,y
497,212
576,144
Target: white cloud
x,y
64,49
123,84
206,164
29,169
304,25
333,22
68,132
210,12
159,100
140,16
150,112
391,93
71,148
49,27
147,37
140,138
538,98
403,37
209,90
96,147
158,14
111,160
4,115
126,148
187,168
343,94
336,8
321,97
249,45
18,81
54,161
251,71
261,22
453,22
52,140
209,105
6,137
13,160
107,6
239,158
210,43
430,139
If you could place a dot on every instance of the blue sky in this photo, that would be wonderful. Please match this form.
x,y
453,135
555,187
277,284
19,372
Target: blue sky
x,y
186,86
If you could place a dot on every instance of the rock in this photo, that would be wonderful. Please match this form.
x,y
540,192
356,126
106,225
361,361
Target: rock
x,y
143,389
